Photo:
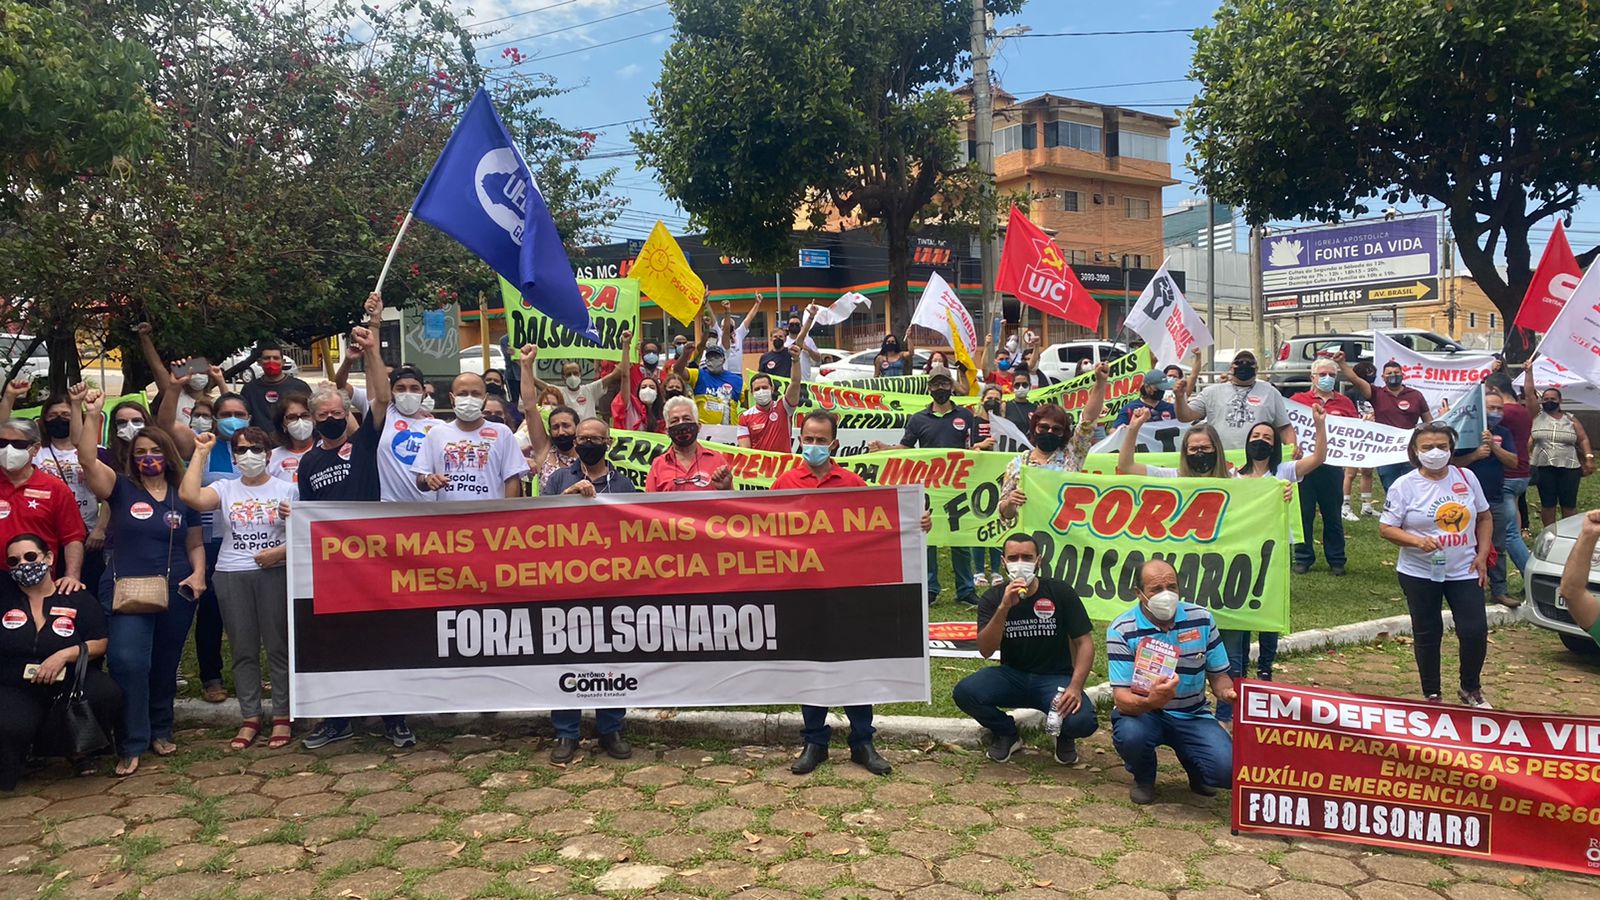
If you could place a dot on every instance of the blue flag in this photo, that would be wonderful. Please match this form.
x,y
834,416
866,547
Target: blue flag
x,y
481,193
1467,417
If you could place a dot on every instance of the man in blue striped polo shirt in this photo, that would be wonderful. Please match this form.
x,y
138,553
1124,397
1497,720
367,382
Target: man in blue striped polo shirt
x,y
1172,710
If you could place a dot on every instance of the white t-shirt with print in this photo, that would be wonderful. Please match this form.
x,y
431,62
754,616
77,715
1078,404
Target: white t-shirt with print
x,y
398,448
586,399
284,463
63,464
478,460
1446,510
249,521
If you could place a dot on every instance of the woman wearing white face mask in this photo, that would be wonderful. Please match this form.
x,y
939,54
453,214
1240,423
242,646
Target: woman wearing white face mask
x,y
185,389
252,583
406,423
295,423
1439,518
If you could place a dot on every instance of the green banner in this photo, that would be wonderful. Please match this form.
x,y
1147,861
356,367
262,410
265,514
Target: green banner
x,y
1126,378
1106,464
963,486
1227,537
613,305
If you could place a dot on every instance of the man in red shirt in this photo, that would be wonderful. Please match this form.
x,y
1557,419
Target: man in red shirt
x,y
766,426
687,465
1394,404
1323,487
33,502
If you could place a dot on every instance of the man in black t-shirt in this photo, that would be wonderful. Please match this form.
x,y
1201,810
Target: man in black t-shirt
x,y
777,361
1044,637
262,395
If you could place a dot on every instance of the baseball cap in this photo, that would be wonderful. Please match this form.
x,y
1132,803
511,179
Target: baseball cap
x,y
406,370
940,378
1158,379
715,350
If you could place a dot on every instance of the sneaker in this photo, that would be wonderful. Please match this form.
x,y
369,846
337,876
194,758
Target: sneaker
x,y
1142,794
400,735
1432,698
1066,750
1508,601
1368,510
1001,746
968,600
1344,511
328,733
182,682
1473,699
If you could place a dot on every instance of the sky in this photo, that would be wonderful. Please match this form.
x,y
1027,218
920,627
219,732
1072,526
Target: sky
x,y
607,53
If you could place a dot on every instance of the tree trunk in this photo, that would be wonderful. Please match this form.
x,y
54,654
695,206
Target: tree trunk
x,y
898,238
136,374
64,365
1505,293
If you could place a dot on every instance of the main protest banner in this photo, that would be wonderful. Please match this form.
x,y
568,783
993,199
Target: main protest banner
x,y
1351,441
613,307
1511,787
1126,378
1227,537
674,600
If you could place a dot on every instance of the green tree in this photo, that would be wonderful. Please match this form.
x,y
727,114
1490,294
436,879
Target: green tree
x,y
766,109
1486,107
290,152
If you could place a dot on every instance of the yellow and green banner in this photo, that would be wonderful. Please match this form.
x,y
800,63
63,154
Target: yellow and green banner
x,y
1126,378
1228,539
613,307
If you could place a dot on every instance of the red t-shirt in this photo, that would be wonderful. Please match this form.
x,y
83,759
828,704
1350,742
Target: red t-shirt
x,y
768,429
1402,410
43,505
802,478
1516,420
1336,405
667,474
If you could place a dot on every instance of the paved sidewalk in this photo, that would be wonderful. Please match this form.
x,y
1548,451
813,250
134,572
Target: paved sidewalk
x,y
487,816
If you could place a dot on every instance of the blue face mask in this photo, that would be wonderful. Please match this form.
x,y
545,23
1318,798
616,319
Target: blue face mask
x,y
1493,418
1326,382
815,454
227,427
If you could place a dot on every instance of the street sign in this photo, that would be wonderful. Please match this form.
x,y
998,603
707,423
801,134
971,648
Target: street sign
x,y
816,259
635,247
1356,265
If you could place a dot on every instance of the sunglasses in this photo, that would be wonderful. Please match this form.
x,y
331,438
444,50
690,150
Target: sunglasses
x,y
28,557
1051,429
16,443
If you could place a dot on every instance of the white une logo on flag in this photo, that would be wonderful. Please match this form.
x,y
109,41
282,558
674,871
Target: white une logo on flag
x,y
502,191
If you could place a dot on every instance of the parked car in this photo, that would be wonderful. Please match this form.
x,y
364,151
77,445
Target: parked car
x,y
1060,361
472,358
1545,606
13,346
859,365
1291,370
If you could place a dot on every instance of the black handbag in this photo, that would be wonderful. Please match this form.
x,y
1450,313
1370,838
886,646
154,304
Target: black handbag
x,y
70,727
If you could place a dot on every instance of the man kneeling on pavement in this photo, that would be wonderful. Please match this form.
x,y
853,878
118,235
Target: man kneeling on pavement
x,y
1046,648
1173,710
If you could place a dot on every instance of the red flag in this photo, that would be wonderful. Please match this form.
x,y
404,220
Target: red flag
x,y
1032,268
1552,284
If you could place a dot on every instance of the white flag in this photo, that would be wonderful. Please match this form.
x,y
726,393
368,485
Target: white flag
x,y
842,308
940,310
1549,373
1002,427
1573,339
1166,321
1438,378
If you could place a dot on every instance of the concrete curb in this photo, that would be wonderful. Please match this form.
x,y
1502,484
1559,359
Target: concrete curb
x,y
784,727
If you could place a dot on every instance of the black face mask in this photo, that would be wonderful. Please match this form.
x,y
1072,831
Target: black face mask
x,y
1048,441
59,429
591,454
331,429
1153,396
991,405
1244,371
564,442
499,390
1394,380
940,396
891,347
683,434
1258,450
673,392
1201,460
1550,406
777,343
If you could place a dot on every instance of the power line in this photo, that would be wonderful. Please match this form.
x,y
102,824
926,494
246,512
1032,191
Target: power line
x,y
620,40
527,12
1095,87
573,27
1044,34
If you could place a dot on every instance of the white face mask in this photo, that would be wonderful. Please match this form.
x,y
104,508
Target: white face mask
x,y
648,395
762,397
573,381
199,381
127,430
1022,570
427,403
300,429
251,463
13,460
1163,606
1435,459
409,404
200,424
469,408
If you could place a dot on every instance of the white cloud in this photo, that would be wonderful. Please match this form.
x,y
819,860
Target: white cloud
x,y
629,70
536,17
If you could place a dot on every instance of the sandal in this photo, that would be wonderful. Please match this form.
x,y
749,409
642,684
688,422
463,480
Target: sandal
x,y
279,741
246,736
163,747
127,766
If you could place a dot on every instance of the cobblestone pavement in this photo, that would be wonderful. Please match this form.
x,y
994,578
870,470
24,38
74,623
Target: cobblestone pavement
x,y
487,816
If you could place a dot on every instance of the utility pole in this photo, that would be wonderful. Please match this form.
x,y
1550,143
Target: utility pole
x,y
1257,318
1211,276
983,125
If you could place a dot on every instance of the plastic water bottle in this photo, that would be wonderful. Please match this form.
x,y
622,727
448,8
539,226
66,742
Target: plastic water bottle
x,y
1436,565
1052,719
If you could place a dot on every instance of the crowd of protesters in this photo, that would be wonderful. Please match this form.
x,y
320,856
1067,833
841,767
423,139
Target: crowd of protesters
x,y
128,531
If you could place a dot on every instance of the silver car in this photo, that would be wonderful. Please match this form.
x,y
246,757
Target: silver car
x,y
1547,609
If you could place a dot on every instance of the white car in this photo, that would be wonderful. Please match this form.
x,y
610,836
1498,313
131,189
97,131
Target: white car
x,y
472,358
1060,361
12,346
859,365
1546,608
